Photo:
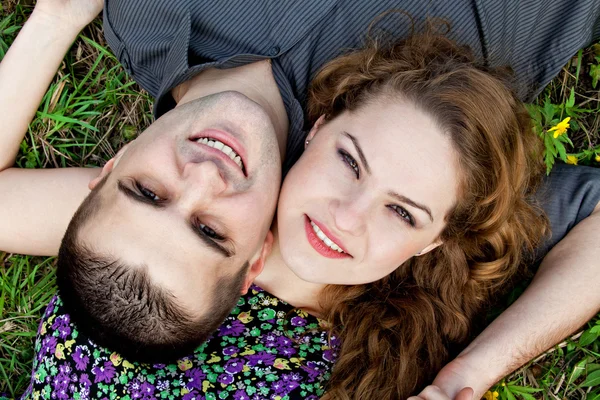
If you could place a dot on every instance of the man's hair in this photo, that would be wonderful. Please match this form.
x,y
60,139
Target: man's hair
x,y
120,308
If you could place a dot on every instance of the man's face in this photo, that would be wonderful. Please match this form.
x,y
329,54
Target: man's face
x,y
178,204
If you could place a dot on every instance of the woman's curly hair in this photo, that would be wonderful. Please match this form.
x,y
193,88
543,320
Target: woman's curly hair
x,y
396,332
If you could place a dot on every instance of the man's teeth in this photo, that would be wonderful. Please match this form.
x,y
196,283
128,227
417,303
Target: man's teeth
x,y
224,148
325,239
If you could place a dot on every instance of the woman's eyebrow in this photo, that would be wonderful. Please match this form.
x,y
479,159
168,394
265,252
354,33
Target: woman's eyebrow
x,y
359,150
410,202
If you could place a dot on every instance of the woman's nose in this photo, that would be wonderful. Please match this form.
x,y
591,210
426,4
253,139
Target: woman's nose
x,y
350,215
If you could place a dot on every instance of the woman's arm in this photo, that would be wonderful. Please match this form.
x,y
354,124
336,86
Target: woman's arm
x,y
36,205
562,297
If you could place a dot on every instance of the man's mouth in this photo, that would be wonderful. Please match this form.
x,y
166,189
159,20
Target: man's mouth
x,y
228,151
225,144
322,242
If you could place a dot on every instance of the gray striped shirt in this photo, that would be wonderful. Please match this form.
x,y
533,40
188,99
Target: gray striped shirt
x,y
163,43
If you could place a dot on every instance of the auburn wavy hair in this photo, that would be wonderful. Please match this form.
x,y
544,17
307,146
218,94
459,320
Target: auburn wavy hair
x,y
396,333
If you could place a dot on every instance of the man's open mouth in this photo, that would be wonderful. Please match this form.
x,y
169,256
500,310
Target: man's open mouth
x,y
228,151
225,144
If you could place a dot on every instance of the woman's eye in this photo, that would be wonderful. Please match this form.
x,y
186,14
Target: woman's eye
x,y
208,231
405,215
147,193
350,161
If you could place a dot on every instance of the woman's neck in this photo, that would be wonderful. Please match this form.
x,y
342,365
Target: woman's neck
x,y
255,81
278,279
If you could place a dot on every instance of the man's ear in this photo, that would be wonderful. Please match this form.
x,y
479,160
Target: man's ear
x,y
314,130
432,246
108,167
257,265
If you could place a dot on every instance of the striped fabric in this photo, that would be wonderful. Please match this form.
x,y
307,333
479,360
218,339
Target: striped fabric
x,y
163,43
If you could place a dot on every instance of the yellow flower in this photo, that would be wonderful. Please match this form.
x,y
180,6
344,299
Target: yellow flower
x,y
206,385
571,159
184,364
490,395
245,317
561,127
598,158
60,351
116,359
281,363
213,359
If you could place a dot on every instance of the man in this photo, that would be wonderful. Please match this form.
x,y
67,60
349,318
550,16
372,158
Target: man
x,y
180,52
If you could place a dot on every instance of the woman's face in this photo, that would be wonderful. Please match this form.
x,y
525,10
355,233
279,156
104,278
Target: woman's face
x,y
371,190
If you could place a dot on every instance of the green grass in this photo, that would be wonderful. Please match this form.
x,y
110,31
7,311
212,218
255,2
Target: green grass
x,y
92,108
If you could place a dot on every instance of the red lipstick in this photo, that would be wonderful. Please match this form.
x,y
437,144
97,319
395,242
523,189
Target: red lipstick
x,y
318,244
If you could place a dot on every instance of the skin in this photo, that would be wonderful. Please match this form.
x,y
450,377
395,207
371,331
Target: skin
x,y
350,197
41,203
166,195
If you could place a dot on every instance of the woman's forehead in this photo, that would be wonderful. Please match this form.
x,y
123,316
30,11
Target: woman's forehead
x,y
406,150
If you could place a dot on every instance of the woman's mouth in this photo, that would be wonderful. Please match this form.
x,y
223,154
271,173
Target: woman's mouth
x,y
321,242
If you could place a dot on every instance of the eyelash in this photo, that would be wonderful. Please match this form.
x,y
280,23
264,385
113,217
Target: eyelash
x,y
402,213
350,162
353,165
205,229
147,193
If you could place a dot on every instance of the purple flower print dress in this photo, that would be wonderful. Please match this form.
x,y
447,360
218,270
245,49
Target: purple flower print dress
x,y
265,349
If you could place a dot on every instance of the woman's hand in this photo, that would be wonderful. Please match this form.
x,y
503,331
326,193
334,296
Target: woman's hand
x,y
435,393
69,13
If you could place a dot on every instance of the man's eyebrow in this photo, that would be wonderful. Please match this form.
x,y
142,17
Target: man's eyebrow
x,y
211,243
205,239
361,154
134,196
408,201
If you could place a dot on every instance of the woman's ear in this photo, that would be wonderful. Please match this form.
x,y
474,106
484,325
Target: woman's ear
x,y
108,167
314,130
432,246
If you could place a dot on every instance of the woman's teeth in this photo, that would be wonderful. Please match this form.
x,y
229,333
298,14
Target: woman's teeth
x,y
224,148
325,239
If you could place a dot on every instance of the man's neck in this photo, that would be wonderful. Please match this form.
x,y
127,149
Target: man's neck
x,y
255,81
278,279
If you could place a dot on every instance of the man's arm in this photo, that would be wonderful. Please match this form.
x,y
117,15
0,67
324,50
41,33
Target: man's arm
x,y
36,205
560,299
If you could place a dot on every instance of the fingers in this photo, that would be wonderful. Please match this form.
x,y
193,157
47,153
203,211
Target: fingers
x,y
465,394
435,393
431,393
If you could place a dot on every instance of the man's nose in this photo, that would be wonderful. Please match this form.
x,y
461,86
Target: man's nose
x,y
203,180
350,215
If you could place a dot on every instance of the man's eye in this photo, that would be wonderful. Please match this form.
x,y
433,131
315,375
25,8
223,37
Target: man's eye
x,y
211,233
350,161
147,193
405,215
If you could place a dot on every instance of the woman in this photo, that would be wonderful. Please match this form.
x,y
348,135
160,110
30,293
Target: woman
x,y
410,205
411,228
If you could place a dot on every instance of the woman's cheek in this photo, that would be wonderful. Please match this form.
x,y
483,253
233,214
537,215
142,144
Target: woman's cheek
x,y
392,249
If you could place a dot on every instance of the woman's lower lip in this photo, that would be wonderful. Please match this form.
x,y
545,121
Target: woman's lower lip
x,y
318,244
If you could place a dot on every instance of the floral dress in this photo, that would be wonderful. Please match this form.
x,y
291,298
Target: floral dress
x,y
265,349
